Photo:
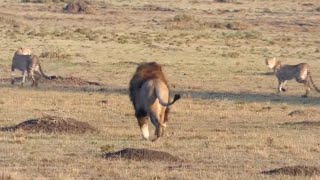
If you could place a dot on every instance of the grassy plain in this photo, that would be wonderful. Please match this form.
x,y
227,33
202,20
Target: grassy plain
x,y
229,124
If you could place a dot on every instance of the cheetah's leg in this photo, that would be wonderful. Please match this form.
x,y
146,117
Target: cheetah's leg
x,y
12,77
307,86
24,74
280,87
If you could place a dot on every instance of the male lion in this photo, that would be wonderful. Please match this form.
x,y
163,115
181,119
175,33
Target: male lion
x,y
28,64
285,72
149,94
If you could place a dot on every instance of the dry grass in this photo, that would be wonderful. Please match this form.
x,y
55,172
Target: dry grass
x,y
42,1
54,52
190,22
229,123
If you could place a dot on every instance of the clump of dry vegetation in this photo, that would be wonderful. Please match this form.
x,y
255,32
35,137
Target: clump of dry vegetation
x,y
231,54
81,6
54,52
88,33
243,35
295,171
236,25
185,22
153,7
226,1
17,26
266,10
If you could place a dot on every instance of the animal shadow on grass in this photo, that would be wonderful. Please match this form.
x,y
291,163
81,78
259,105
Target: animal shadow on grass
x,y
250,97
71,84
74,84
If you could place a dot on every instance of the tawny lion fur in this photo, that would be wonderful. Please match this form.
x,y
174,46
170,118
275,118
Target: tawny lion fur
x,y
149,94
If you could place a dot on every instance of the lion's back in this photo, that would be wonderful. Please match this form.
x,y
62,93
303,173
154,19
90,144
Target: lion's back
x,y
145,72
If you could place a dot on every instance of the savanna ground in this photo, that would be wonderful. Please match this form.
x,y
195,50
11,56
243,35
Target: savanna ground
x,y
229,124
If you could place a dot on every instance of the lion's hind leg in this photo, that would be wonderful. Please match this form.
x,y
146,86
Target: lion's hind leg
x,y
160,125
163,125
165,120
155,121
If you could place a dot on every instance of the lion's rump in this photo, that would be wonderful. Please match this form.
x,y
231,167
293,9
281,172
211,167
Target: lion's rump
x,y
144,72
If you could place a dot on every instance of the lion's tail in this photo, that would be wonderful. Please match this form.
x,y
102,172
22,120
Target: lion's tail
x,y
176,97
44,75
312,82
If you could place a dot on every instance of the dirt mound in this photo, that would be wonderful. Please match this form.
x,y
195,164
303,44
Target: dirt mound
x,y
57,80
297,113
141,154
80,6
72,81
52,124
303,123
302,113
295,170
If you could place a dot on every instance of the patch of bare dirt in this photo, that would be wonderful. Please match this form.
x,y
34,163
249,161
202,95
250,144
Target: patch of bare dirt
x,y
52,124
71,81
294,171
58,80
142,154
